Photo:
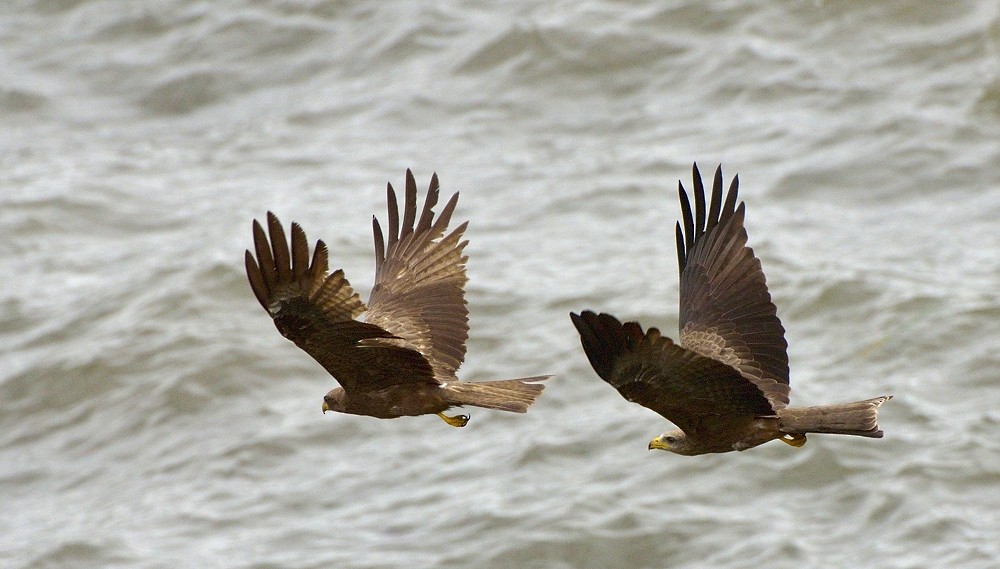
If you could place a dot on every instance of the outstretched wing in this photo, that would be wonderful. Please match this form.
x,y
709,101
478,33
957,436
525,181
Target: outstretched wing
x,y
419,293
700,395
726,312
317,311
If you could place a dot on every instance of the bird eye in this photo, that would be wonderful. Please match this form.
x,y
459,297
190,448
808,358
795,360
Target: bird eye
x,y
671,440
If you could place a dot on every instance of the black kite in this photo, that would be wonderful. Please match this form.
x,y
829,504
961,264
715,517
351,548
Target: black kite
x,y
725,385
402,360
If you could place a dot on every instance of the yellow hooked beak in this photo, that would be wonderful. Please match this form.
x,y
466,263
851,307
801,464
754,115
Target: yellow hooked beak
x,y
326,407
659,443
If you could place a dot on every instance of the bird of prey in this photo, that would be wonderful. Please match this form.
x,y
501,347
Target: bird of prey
x,y
725,384
402,360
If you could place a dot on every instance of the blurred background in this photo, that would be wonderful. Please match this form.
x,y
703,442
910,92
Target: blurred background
x,y
151,416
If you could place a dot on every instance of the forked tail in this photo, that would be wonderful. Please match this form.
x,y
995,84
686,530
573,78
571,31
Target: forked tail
x,y
506,394
859,418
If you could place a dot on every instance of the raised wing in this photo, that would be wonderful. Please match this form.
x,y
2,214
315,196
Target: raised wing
x,y
726,312
317,311
419,292
698,394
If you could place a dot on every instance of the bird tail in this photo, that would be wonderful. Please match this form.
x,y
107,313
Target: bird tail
x,y
513,395
859,418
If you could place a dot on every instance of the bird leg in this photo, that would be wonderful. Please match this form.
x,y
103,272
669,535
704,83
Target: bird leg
x,y
456,421
794,440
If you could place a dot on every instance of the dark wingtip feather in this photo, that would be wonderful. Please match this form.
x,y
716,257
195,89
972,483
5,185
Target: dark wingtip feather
x,y
633,331
731,197
717,181
409,206
715,208
444,218
321,261
681,254
300,252
263,249
603,338
379,243
686,217
699,204
393,207
279,248
427,214
257,283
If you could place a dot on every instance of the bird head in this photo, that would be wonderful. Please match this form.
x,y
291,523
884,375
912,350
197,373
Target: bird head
x,y
674,441
335,400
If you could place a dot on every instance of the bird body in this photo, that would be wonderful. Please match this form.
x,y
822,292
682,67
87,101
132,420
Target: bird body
x,y
790,425
725,384
403,358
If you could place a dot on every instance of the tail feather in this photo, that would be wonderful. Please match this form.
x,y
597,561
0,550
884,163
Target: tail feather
x,y
858,418
513,395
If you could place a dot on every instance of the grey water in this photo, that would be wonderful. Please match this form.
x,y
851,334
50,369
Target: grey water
x,y
152,417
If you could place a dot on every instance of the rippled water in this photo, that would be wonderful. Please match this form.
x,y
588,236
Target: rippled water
x,y
150,415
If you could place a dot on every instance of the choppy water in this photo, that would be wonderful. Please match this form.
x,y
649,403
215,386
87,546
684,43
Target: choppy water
x,y
150,415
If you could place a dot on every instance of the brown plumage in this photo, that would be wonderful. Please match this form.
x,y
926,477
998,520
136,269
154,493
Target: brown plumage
x,y
725,385
402,360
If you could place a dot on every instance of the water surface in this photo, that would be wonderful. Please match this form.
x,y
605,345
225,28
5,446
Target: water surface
x,y
150,415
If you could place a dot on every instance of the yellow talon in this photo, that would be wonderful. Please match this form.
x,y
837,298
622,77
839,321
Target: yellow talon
x,y
793,440
456,421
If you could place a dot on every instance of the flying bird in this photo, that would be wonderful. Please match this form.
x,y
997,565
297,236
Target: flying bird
x,y
403,358
725,384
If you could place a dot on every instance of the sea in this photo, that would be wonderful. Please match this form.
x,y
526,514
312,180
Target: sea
x,y
152,417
